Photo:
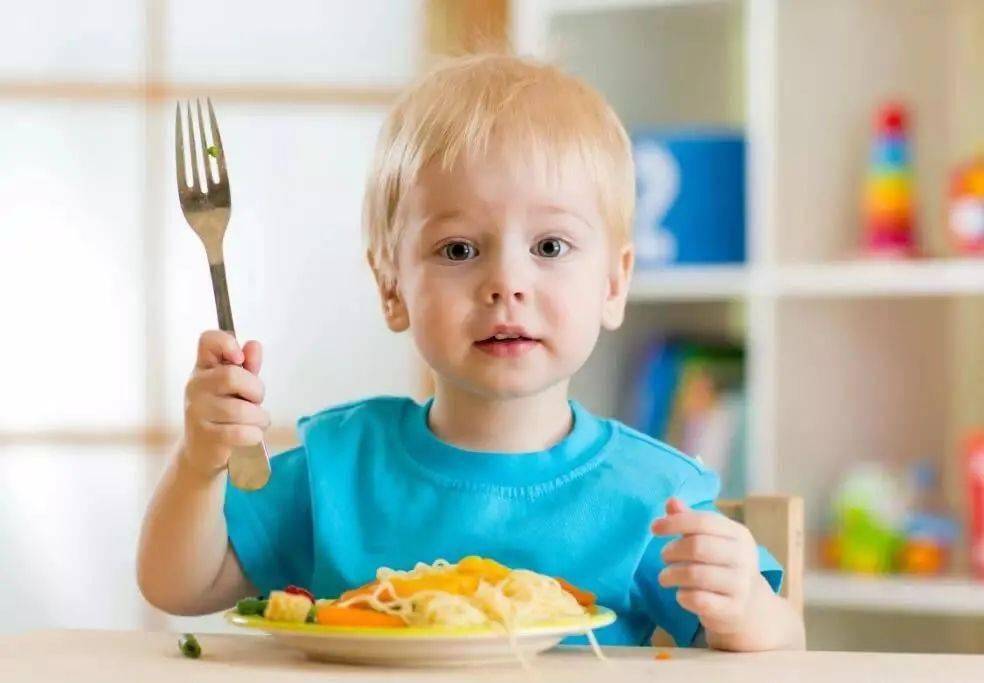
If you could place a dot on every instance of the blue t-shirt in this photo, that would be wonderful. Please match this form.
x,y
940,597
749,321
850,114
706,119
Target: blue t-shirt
x,y
372,486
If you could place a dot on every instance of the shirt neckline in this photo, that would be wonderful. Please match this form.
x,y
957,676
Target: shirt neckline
x,y
585,440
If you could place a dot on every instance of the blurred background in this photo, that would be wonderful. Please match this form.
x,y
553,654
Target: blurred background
x,y
807,315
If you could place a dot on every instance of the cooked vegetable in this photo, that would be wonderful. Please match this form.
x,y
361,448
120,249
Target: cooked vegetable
x,y
583,597
213,151
189,646
249,607
365,590
284,606
296,590
484,568
329,615
451,582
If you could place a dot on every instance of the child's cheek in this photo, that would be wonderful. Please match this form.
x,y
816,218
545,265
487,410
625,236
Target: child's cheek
x,y
574,319
440,317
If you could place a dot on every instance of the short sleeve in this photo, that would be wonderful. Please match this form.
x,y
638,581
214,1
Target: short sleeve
x,y
770,569
699,492
271,529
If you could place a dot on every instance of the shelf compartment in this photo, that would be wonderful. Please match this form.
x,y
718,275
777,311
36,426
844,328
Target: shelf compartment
x,y
956,596
690,283
937,277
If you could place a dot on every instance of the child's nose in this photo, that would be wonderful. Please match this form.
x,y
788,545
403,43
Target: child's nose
x,y
505,284
496,296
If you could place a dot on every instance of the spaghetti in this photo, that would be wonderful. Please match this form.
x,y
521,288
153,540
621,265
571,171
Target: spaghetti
x,y
475,592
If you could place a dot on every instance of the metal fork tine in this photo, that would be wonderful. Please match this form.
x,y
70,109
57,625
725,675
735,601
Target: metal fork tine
x,y
217,141
206,157
179,151
196,153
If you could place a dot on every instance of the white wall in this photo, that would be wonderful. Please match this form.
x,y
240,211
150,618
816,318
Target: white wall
x,y
86,180
104,289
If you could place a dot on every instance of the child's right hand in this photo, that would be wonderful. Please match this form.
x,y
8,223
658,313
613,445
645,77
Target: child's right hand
x,y
222,401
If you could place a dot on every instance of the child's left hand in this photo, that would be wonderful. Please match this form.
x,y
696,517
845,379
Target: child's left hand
x,y
714,564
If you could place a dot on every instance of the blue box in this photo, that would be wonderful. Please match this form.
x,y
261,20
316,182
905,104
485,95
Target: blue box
x,y
690,196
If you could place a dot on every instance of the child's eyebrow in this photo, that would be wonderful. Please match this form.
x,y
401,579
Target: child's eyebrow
x,y
441,217
555,210
435,219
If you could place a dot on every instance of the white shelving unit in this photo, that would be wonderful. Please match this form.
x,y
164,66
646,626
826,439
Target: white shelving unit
x,y
847,279
697,283
847,359
931,596
938,277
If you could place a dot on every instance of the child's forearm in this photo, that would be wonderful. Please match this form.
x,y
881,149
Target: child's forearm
x,y
184,564
772,624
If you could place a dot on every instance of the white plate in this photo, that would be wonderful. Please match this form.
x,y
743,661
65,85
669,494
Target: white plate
x,y
415,646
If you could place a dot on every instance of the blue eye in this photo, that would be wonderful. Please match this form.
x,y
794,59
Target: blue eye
x,y
552,247
459,251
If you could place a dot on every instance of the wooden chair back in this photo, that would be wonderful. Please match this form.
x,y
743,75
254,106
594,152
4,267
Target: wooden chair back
x,y
776,522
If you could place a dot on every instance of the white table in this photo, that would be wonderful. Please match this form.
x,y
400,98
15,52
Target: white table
x,y
142,657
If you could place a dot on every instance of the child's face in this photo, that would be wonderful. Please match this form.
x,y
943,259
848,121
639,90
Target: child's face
x,y
489,249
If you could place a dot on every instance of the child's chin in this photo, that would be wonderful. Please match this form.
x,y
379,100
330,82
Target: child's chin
x,y
510,387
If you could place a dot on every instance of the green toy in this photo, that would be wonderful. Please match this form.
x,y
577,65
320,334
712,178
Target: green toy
x,y
868,518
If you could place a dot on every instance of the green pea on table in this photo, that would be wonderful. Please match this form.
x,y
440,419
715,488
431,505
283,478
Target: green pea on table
x,y
189,646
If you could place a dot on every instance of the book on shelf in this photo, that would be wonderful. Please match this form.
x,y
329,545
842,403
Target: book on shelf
x,y
691,395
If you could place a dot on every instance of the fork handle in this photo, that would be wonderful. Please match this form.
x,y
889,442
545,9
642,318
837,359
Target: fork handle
x,y
221,291
249,466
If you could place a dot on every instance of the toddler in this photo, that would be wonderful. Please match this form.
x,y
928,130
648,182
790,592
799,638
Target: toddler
x,y
497,215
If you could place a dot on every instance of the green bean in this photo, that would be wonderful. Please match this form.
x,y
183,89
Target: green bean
x,y
248,607
189,646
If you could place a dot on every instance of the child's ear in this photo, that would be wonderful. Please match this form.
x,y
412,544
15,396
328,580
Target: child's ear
x,y
613,312
394,310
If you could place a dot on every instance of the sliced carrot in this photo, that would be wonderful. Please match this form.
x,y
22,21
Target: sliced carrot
x,y
490,570
449,582
583,597
363,591
329,615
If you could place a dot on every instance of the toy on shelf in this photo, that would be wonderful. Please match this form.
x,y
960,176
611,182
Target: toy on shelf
x,y
889,208
930,532
966,218
866,535
690,204
975,484
881,526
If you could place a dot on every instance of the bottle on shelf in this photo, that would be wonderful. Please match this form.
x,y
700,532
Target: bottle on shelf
x,y
930,530
975,500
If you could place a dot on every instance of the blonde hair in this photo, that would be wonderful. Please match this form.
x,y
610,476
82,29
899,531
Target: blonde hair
x,y
534,112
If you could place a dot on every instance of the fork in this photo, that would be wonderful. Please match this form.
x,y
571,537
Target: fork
x,y
207,211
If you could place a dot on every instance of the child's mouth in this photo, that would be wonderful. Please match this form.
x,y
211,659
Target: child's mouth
x,y
507,346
